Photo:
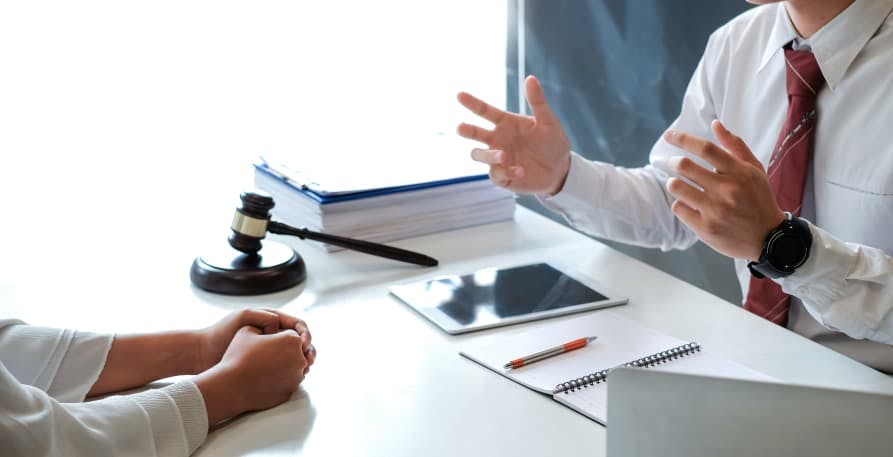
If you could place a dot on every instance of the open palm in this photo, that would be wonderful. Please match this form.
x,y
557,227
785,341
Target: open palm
x,y
526,154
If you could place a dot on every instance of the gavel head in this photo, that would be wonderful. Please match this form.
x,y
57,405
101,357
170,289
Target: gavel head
x,y
250,222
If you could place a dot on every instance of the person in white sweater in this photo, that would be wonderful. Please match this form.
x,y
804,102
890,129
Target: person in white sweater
x,y
250,360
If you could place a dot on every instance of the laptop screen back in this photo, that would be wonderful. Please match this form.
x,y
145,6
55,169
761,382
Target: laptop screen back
x,y
651,412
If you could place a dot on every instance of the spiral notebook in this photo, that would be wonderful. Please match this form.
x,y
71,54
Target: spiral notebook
x,y
579,379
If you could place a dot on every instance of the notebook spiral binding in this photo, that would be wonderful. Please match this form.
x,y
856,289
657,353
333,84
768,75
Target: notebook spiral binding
x,y
644,362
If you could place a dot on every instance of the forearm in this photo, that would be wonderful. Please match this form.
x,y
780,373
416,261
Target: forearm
x,y
846,287
135,360
621,204
216,387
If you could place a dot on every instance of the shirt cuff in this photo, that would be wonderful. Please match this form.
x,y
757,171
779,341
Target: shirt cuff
x,y
581,184
821,280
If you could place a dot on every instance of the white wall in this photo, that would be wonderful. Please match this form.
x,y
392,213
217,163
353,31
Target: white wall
x,y
105,104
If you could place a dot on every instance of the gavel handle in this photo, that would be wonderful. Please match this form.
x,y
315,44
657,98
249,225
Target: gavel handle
x,y
377,249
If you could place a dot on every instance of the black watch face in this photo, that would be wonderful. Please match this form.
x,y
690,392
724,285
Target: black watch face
x,y
787,252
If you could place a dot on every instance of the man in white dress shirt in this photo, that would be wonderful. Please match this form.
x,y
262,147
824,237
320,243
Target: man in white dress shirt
x,y
248,361
786,168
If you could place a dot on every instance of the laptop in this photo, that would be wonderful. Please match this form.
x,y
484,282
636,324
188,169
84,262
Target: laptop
x,y
653,412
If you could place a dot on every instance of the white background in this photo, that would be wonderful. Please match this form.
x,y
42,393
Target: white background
x,y
105,105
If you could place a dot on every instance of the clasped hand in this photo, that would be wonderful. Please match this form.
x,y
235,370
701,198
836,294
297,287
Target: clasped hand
x,y
252,360
216,338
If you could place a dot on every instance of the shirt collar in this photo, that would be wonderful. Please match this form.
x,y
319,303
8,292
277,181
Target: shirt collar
x,y
782,33
836,44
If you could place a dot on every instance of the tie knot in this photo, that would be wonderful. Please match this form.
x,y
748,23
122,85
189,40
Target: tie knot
x,y
804,77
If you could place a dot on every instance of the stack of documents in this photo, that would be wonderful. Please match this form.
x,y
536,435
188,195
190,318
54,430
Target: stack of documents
x,y
384,197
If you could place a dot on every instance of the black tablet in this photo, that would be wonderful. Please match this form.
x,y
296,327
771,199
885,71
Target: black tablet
x,y
495,297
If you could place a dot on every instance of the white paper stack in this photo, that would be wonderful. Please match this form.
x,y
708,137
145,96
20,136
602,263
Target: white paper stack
x,y
385,197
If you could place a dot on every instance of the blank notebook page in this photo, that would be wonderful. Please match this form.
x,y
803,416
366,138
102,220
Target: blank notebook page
x,y
619,341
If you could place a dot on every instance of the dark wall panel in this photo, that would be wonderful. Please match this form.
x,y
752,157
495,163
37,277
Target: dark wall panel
x,y
614,72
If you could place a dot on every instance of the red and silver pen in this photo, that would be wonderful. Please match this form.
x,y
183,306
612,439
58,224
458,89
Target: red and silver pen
x,y
545,354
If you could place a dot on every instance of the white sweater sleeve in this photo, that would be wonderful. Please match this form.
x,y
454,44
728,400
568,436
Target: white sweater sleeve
x,y
145,424
62,363
44,375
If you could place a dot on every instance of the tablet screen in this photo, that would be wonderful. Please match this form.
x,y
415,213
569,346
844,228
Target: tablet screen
x,y
491,295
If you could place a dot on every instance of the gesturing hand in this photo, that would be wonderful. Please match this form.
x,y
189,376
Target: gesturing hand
x,y
215,339
526,154
256,372
736,209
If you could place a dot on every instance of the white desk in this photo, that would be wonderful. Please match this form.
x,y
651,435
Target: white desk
x,y
388,383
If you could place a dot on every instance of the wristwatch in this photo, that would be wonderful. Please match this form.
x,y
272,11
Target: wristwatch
x,y
785,249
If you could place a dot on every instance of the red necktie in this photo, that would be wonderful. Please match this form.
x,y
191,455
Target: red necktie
x,y
788,167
